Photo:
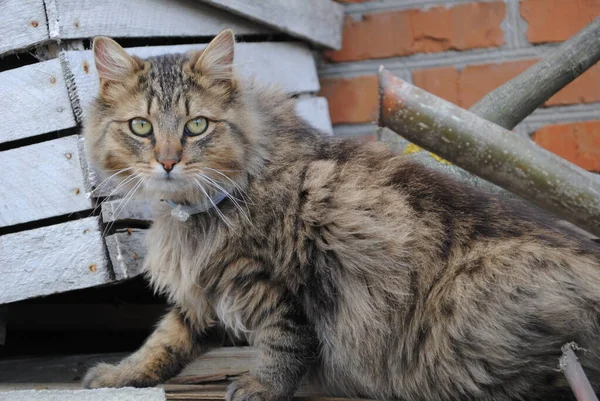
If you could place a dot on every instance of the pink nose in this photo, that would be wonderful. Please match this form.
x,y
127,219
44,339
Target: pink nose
x,y
168,164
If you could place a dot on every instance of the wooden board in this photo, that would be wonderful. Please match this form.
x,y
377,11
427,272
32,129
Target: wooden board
x,y
142,18
135,209
34,100
52,259
315,110
22,24
210,374
40,181
126,251
318,21
212,366
288,64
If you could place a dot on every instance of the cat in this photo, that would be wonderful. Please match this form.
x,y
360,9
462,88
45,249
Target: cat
x,y
338,260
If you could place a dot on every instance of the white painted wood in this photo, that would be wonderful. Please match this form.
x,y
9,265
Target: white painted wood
x,y
41,181
126,251
315,110
22,24
99,394
52,259
33,101
288,64
142,18
135,209
318,21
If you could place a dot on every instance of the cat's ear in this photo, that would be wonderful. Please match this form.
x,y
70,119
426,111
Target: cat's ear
x,y
112,61
216,60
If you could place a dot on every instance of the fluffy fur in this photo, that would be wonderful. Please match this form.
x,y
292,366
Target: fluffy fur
x,y
375,275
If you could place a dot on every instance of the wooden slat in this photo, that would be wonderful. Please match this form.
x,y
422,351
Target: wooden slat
x,y
219,362
315,110
52,259
40,181
22,24
33,100
126,251
135,209
211,374
176,392
288,64
142,18
318,21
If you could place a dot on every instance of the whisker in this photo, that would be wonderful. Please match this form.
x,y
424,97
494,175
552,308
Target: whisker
x,y
221,215
232,198
123,200
106,180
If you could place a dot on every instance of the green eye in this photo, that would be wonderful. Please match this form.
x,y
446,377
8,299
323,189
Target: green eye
x,y
140,126
197,126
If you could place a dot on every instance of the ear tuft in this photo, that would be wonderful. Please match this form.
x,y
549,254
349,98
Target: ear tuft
x,y
112,61
216,61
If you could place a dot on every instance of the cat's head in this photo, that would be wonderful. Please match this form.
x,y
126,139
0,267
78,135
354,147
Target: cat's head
x,y
171,126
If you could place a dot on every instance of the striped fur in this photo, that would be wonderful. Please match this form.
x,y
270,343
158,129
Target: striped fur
x,y
336,259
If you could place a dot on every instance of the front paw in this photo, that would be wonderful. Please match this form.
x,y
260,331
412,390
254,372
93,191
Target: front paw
x,y
251,389
105,375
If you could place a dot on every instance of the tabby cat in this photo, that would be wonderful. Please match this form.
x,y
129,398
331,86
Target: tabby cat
x,y
338,260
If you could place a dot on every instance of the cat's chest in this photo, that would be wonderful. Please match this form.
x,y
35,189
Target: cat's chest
x,y
179,255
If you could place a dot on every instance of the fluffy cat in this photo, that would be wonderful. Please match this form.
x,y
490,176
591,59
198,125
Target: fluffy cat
x,y
334,258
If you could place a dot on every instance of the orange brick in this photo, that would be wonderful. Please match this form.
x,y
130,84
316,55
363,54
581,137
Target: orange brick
x,y
476,81
351,100
557,20
442,82
467,87
400,33
578,143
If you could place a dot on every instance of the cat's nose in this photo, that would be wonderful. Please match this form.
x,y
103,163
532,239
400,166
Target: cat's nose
x,y
168,164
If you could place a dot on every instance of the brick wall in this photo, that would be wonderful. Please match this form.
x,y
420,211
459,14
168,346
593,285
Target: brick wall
x,y
460,50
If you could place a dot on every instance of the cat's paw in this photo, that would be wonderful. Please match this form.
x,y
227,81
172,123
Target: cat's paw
x,y
250,389
105,375
102,375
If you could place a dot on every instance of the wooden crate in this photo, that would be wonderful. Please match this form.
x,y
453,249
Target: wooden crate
x,y
50,235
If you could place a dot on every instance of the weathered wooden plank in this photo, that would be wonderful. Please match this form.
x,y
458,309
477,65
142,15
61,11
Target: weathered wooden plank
x,y
135,209
288,64
210,374
40,181
142,18
100,394
126,251
318,21
52,259
22,24
315,110
34,100
217,363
